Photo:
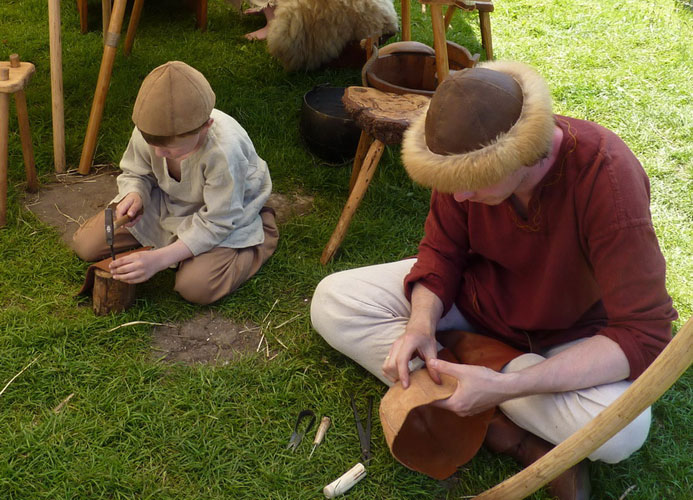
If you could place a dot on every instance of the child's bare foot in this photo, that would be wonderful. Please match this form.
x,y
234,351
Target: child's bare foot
x,y
260,34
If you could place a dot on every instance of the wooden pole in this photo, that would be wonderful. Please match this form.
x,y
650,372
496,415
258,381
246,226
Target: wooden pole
x,y
105,15
132,26
58,104
671,363
4,145
485,25
406,20
109,53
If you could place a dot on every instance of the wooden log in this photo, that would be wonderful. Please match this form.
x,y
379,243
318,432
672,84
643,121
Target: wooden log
x,y
109,295
671,363
57,100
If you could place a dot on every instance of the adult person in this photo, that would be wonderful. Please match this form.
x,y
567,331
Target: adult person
x,y
539,234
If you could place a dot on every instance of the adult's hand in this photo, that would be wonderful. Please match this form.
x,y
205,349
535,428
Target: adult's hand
x,y
478,388
132,206
413,341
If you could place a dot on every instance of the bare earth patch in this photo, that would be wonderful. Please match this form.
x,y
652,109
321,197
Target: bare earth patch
x,y
206,338
69,202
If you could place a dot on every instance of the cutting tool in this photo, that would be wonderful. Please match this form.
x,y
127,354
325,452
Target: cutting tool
x,y
364,434
297,435
109,230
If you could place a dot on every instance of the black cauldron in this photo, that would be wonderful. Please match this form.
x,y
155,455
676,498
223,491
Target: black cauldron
x,y
326,127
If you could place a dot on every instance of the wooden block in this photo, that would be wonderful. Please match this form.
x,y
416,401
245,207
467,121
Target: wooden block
x,y
109,295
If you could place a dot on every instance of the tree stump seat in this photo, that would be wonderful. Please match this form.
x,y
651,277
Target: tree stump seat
x,y
383,117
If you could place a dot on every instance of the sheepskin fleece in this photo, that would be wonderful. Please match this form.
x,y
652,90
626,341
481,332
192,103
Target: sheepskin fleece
x,y
307,33
528,140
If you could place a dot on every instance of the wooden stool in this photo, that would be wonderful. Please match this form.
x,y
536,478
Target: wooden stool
x,y
14,76
383,118
440,25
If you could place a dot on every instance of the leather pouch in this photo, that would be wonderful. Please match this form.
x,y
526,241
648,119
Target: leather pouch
x,y
429,439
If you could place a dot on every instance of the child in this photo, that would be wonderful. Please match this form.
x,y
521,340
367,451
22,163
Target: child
x,y
194,174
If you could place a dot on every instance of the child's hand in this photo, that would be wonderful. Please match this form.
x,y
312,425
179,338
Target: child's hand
x,y
136,267
130,205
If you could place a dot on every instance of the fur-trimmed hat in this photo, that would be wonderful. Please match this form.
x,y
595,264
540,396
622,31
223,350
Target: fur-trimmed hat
x,y
173,99
482,124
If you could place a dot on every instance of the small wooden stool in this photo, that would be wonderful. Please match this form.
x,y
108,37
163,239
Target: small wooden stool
x,y
14,76
383,118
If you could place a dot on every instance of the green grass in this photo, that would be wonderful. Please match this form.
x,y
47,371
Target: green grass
x,y
140,429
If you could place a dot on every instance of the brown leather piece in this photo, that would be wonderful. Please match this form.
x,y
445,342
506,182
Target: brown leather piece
x,y
103,265
426,438
470,109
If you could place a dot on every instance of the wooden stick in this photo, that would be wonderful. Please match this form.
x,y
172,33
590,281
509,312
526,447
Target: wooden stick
x,y
20,372
201,15
406,20
671,363
109,53
4,145
448,16
132,26
105,16
58,105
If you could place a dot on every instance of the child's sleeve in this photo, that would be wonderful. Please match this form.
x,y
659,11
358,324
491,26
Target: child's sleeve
x,y
136,171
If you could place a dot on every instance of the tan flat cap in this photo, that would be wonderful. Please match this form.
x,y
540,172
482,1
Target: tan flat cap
x,y
173,99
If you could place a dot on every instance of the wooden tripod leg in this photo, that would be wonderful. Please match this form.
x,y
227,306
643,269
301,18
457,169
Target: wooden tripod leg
x,y
406,20
109,53
448,16
4,149
82,8
201,17
485,25
106,15
365,142
58,104
132,26
442,65
25,136
364,179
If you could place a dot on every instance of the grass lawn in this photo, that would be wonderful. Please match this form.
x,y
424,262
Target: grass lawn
x,y
140,429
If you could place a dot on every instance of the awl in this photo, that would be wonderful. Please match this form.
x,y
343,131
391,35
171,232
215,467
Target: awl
x,y
320,434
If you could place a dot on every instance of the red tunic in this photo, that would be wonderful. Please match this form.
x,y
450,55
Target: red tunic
x,y
585,261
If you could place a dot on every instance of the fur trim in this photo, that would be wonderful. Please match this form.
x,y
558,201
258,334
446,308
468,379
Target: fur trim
x,y
307,33
528,140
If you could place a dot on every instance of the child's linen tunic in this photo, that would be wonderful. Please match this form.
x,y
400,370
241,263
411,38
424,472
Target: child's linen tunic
x,y
222,188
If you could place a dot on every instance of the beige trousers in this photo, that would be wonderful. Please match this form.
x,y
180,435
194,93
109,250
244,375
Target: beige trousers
x,y
202,279
361,312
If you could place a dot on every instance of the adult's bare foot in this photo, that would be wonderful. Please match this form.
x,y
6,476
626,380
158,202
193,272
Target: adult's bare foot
x,y
260,34
252,11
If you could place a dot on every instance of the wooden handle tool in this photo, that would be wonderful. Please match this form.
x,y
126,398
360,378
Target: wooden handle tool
x,y
343,483
320,434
